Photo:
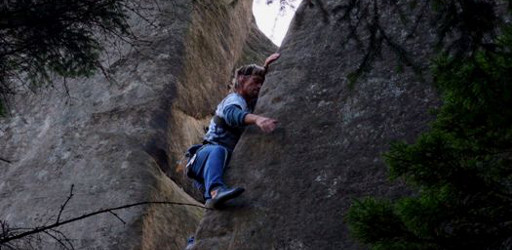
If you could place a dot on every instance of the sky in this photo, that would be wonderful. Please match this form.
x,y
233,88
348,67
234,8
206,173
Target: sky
x,y
273,24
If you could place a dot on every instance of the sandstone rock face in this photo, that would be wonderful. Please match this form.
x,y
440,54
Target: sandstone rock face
x,y
119,142
301,179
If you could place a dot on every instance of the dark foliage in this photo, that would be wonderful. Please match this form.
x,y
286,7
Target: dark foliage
x,y
462,167
40,39
365,26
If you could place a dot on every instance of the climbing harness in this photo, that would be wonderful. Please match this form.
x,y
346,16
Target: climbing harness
x,y
190,155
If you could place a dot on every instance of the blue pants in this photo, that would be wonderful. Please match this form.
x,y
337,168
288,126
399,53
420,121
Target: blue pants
x,y
209,167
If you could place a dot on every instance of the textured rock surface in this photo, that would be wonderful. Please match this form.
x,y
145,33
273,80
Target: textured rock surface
x,y
301,179
118,143
115,141
224,37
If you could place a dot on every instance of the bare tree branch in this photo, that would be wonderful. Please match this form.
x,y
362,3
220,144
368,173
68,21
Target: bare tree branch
x,y
63,237
5,160
117,216
60,240
42,229
65,203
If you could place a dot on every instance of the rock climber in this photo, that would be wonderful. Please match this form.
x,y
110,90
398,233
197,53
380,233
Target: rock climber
x,y
232,115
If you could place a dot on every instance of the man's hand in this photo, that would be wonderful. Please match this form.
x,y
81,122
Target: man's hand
x,y
266,124
271,59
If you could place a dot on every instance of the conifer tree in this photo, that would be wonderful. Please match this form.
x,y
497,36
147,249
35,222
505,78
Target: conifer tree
x,y
461,169
42,38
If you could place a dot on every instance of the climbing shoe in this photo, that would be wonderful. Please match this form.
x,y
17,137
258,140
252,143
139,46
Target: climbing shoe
x,y
221,195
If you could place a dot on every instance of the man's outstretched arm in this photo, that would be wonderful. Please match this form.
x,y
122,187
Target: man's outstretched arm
x,y
266,124
234,116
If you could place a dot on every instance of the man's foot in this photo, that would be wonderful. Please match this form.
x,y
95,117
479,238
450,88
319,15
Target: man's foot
x,y
221,195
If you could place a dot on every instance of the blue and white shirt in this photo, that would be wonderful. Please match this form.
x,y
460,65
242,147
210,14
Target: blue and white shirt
x,y
233,110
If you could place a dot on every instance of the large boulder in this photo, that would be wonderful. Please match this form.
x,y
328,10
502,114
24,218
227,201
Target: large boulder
x,y
118,140
335,122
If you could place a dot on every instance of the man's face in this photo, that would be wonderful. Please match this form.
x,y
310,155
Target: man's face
x,y
251,85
